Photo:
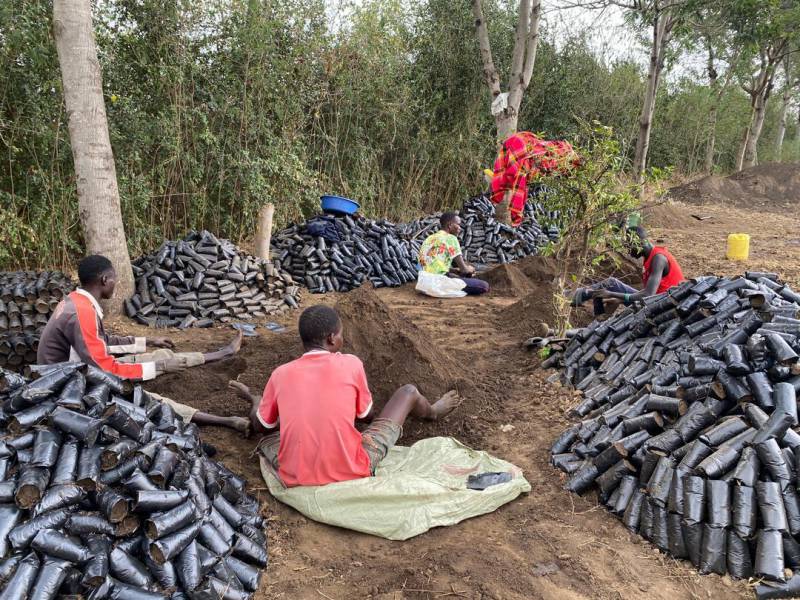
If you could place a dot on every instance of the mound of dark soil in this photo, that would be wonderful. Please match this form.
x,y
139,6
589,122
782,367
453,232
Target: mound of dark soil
x,y
507,280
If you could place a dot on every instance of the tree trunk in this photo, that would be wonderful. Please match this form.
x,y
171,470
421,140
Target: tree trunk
x,y
751,147
708,164
743,144
506,123
784,114
98,195
648,109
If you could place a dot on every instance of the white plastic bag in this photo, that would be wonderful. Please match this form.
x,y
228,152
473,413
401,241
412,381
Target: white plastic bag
x,y
440,286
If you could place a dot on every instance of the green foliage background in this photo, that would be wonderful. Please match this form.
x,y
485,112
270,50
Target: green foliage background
x,y
216,107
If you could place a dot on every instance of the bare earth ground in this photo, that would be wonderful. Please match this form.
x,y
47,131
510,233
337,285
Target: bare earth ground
x,y
548,544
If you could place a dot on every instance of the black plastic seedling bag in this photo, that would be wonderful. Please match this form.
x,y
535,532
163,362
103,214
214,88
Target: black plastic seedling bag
x,y
31,484
97,376
96,569
740,564
22,535
47,385
161,524
791,552
88,467
7,489
785,399
228,511
130,570
208,560
254,533
187,566
677,545
46,446
224,573
53,543
627,488
10,516
84,428
713,554
247,574
119,419
770,505
97,396
50,578
720,462
212,539
20,584
747,469
114,506
761,387
723,431
90,523
225,591
124,469
71,395
198,494
8,566
769,555
158,500
224,527
169,546
773,460
115,453
773,591
780,349
66,466
694,490
791,504
164,573
247,550
163,466
139,482
24,420
718,503
120,590
60,496
744,513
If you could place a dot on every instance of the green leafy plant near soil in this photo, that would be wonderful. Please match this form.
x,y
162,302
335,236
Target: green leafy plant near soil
x,y
593,201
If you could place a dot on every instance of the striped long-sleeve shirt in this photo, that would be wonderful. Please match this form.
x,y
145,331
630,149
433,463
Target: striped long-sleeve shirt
x,y
75,332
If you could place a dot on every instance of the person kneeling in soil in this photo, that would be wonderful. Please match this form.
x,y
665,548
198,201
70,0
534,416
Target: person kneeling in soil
x,y
315,400
441,251
75,333
660,272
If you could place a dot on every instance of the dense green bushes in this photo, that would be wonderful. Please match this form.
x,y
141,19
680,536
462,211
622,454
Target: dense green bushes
x,y
215,108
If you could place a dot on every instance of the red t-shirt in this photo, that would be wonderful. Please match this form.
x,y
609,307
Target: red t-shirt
x,y
316,400
671,279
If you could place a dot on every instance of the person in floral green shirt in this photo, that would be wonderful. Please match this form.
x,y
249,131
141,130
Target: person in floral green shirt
x,y
441,254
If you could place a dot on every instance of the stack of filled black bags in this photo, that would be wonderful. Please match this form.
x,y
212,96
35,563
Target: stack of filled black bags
x,y
201,279
27,299
339,253
689,424
106,493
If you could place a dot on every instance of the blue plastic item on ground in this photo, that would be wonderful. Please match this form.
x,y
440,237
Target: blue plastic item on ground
x,y
339,205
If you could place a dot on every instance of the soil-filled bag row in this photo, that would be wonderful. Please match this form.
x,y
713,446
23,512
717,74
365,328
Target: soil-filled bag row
x,y
201,279
689,425
339,253
27,299
114,497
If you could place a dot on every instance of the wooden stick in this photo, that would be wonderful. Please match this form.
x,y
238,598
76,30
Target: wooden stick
x,y
264,231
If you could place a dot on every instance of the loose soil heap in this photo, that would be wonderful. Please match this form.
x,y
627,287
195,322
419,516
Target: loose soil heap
x,y
771,186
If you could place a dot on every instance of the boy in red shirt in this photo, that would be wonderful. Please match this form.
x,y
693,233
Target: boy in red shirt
x,y
315,400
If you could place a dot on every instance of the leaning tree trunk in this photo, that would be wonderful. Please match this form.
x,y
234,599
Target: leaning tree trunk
x,y
98,195
751,147
708,163
781,134
649,106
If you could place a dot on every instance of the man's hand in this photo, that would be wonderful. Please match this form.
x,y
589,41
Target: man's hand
x,y
161,343
604,294
170,365
469,271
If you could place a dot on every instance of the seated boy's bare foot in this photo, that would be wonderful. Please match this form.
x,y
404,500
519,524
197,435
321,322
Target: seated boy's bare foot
x,y
241,425
236,344
241,389
446,404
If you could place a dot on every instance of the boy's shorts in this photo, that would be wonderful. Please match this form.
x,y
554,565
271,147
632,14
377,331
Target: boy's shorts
x,y
376,440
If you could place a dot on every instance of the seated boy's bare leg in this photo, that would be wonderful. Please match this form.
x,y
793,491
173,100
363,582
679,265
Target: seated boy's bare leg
x,y
227,351
408,401
239,424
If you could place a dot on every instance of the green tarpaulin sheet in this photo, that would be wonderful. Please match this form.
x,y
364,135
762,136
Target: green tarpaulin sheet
x,y
414,488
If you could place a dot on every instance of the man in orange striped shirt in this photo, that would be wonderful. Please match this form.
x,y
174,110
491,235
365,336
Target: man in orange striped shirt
x,y
75,333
